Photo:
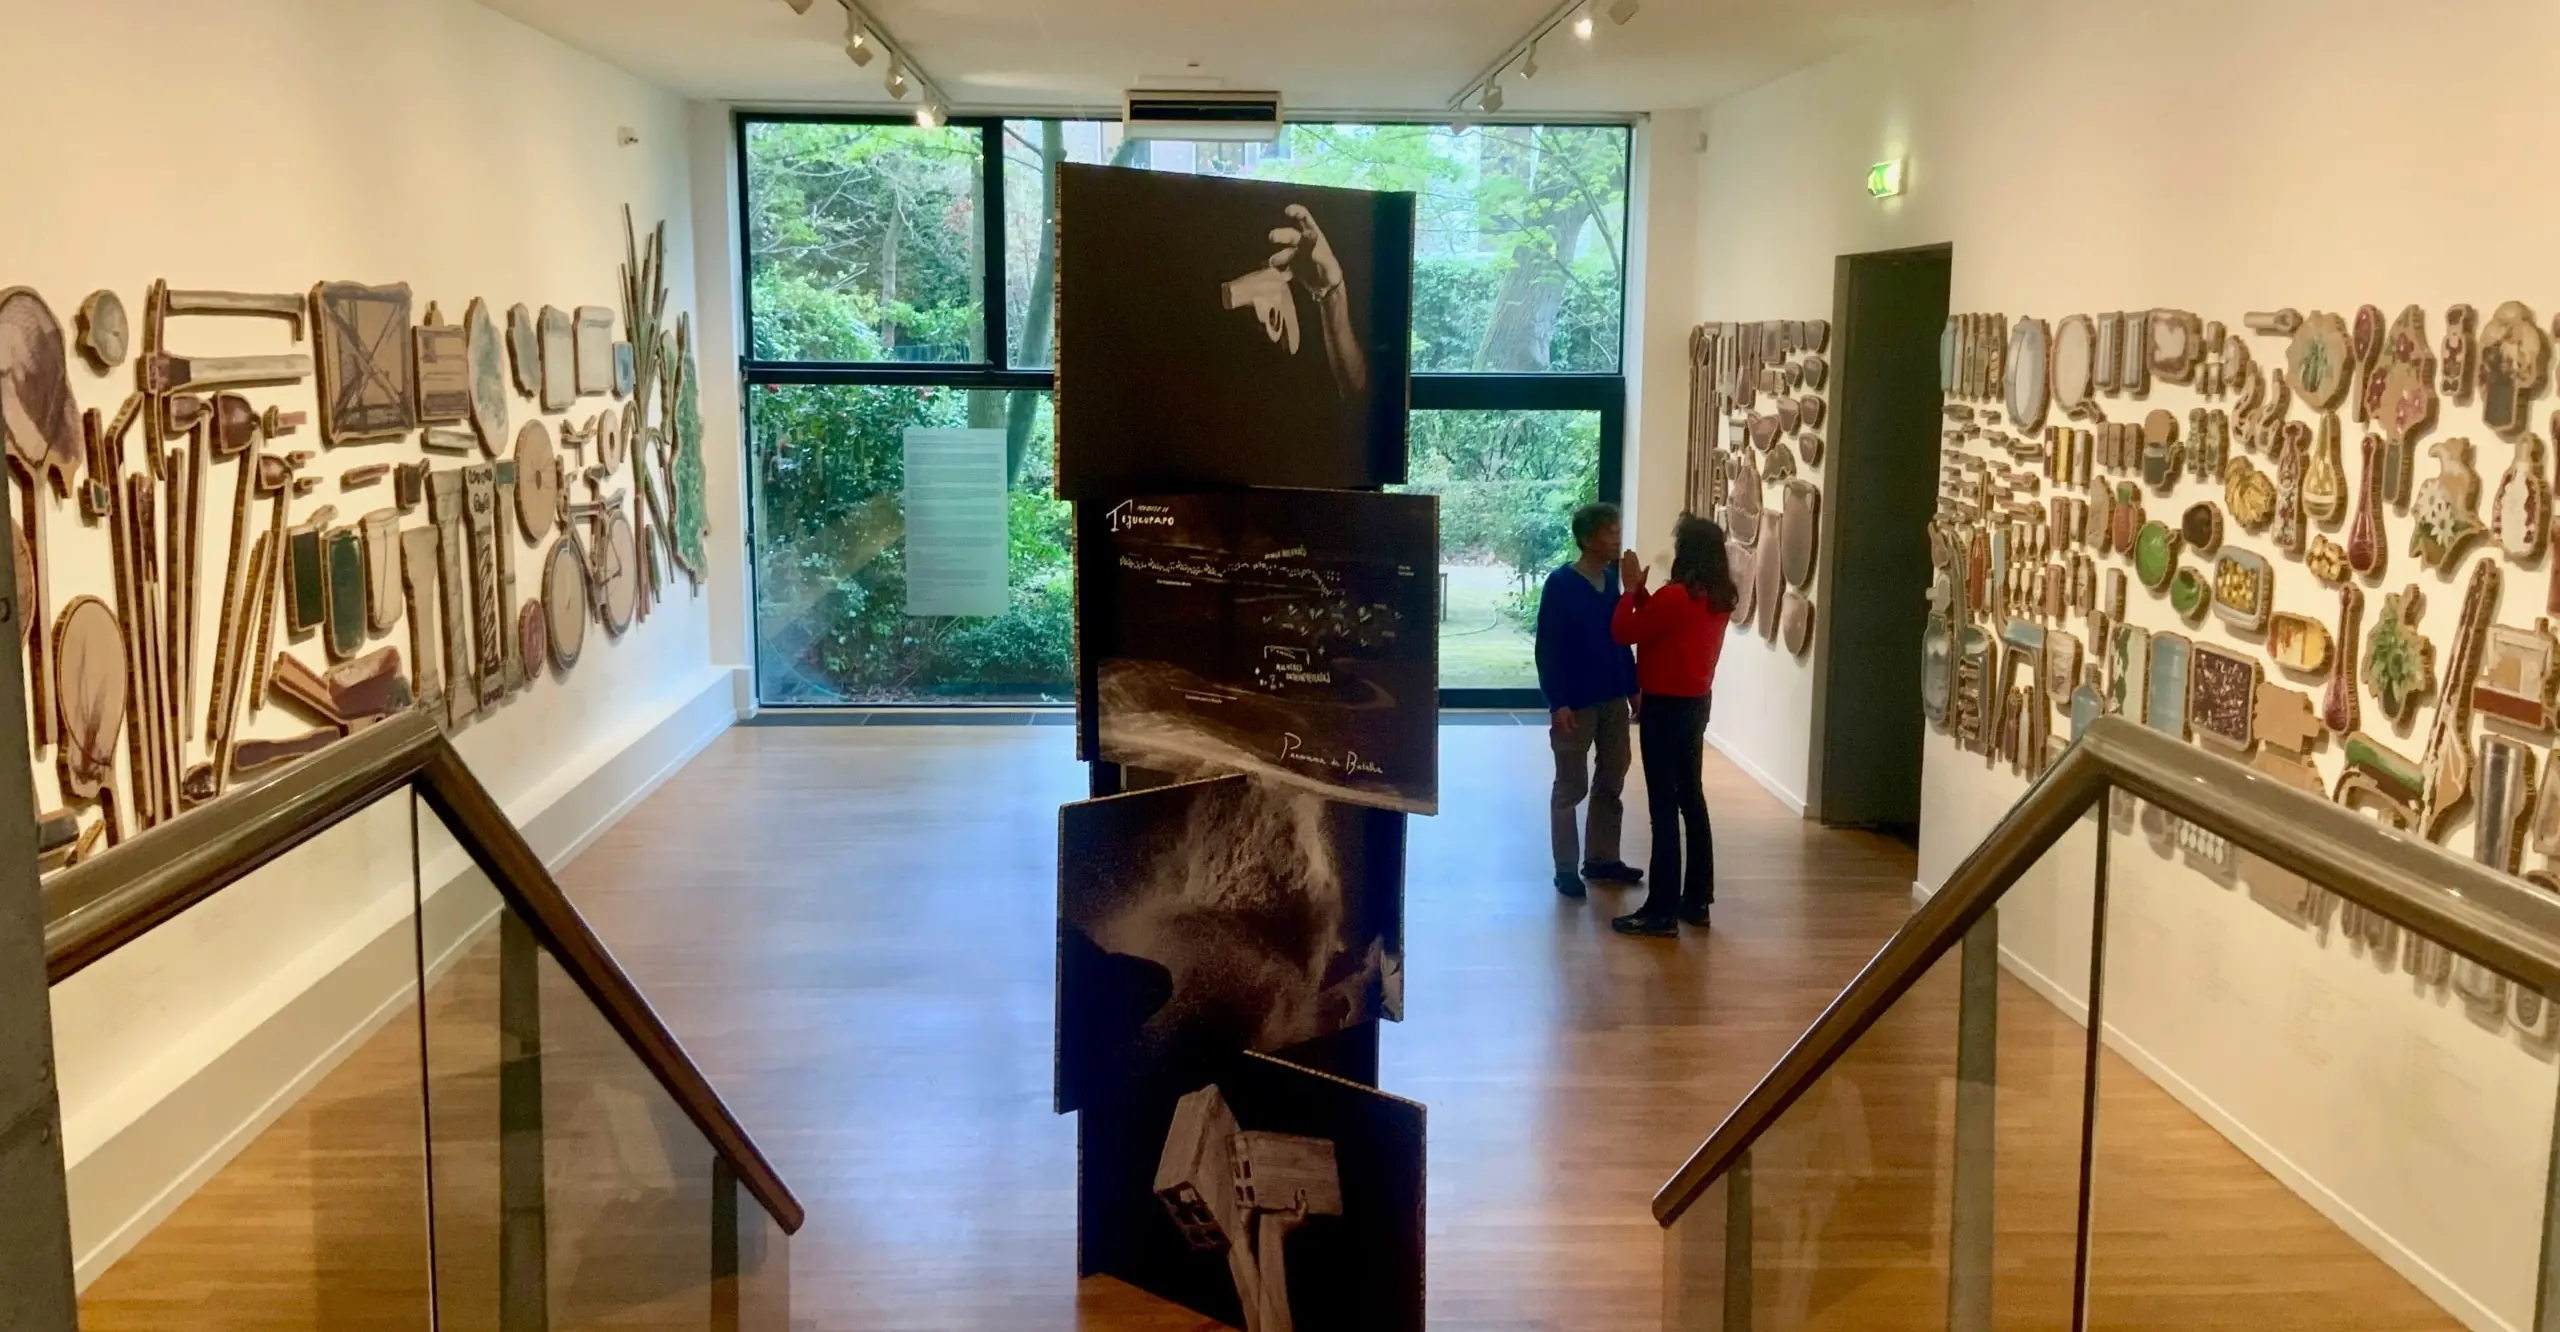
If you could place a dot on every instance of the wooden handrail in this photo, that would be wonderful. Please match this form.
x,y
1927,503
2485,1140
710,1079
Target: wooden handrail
x,y
112,899
2492,918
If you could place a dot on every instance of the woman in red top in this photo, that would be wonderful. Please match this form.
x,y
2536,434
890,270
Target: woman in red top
x,y
1678,634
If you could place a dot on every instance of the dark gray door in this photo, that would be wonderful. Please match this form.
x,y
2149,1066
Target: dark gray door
x,y
1883,484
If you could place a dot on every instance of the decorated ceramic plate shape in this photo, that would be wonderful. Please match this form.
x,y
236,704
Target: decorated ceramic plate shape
x,y
2075,363
2321,361
2155,554
2029,385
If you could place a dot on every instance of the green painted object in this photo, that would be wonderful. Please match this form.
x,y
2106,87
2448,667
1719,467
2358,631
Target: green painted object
x,y
346,592
685,475
306,586
2188,593
2155,554
2397,774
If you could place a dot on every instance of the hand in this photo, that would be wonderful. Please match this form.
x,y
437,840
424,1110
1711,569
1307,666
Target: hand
x,y
1305,254
1631,571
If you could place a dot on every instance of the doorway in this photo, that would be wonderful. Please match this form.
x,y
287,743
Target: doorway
x,y
1883,479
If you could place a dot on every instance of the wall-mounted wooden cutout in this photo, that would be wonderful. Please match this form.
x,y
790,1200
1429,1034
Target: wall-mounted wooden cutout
x,y
2504,780
2244,589
92,684
2324,479
2075,364
565,602
442,356
2400,661
453,583
2134,354
2125,518
2222,697
2247,495
2293,464
2128,674
1786,416
559,343
2515,359
2029,387
2106,372
2320,361
2201,527
2326,559
2366,553
2162,457
1744,564
2400,396
1744,508
2167,710
2340,706
2287,722
2519,669
1809,412
2546,808
306,575
2521,513
2189,595
1817,373
351,695
105,335
2386,774
539,482
524,350
381,530
1950,353
533,638
420,569
1937,669
254,756
1817,335
489,627
610,567
2272,323
2155,555
2062,659
2365,341
366,373
1795,623
503,540
357,478
2177,340
2461,341
487,354
2299,643
1803,525
626,369
594,350
342,551
2446,511
2448,758
1776,466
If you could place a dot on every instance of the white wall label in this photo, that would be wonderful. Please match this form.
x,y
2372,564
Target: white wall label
x,y
956,538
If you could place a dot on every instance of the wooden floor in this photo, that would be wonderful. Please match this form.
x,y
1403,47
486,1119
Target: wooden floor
x,y
853,931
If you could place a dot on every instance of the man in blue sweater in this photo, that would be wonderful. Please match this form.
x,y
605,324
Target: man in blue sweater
x,y
1587,679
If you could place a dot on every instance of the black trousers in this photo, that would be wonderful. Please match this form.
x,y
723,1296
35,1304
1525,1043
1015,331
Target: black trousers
x,y
1672,736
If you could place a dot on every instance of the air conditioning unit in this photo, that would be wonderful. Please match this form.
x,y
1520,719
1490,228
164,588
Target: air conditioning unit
x,y
1238,117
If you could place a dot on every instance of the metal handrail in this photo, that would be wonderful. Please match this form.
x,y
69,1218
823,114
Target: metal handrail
x,y
2493,918
103,903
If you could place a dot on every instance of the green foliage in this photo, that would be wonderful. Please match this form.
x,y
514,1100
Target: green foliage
x,y
864,245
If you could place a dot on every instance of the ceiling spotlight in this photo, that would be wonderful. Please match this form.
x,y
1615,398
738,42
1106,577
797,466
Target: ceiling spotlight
x,y
1529,63
1492,99
897,80
1582,25
799,6
857,42
929,116
1621,11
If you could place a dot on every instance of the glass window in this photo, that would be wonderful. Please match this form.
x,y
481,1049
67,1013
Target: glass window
x,y
831,552
1520,256
863,242
1508,483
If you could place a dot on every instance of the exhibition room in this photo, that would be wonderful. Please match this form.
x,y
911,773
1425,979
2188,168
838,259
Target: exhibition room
x,y
1598,665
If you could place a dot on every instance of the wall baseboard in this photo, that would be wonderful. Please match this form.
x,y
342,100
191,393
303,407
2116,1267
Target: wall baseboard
x,y
1792,800
2438,1287
131,1182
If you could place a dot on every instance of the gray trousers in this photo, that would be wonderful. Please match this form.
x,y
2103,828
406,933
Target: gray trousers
x,y
1577,776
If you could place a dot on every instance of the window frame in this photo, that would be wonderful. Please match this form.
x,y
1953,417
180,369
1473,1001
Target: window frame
x,y
1448,390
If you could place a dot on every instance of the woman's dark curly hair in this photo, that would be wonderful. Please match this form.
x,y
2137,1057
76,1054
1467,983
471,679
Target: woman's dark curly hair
x,y
1698,562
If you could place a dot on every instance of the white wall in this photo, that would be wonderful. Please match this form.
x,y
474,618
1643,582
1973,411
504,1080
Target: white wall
x,y
2201,155
266,145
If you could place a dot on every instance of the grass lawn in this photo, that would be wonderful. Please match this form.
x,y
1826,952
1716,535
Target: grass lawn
x,y
1479,649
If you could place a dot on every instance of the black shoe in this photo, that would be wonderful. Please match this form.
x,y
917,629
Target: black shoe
x,y
1611,871
1697,918
1569,883
1650,927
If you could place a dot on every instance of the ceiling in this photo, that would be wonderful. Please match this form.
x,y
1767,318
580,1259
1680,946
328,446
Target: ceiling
x,y
1371,55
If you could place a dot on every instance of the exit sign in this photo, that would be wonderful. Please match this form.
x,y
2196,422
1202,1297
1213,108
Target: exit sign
x,y
1884,179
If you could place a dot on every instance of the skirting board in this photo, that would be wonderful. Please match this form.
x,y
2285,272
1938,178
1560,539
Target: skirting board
x,y
128,1184
2437,1287
1794,802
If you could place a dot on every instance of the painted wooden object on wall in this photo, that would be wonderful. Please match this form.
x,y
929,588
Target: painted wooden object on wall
x,y
2445,514
2028,388
487,354
2293,463
2129,672
92,686
442,370
2517,675
2521,513
502,539
2504,781
2340,707
1743,561
2448,759
2461,341
342,551
1795,623
381,532
559,343
2134,354
565,602
533,638
2366,551
2299,643
2167,711
626,370
2075,361
2324,479
306,573
2106,371
2401,398
2320,361
489,627
453,584
420,568
2177,340
2515,360
1769,568
2248,495
1803,526
524,350
2244,586
2399,661
366,372
593,350
258,755
2189,594
1743,509
2201,527
2366,343
2222,696
2155,555
105,334
2546,808
2062,659
1937,669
